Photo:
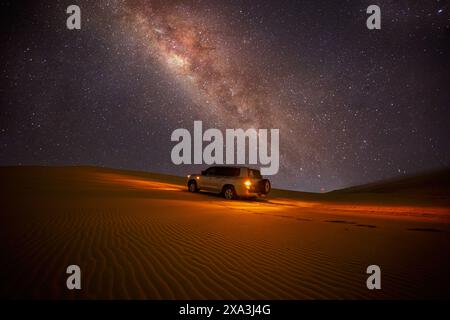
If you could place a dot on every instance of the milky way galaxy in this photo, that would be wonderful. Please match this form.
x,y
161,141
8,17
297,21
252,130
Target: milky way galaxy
x,y
196,50
228,92
353,105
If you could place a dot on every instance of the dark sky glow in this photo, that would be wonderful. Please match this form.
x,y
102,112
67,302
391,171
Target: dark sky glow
x,y
352,105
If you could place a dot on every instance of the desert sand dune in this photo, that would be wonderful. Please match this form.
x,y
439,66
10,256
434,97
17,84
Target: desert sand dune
x,y
143,236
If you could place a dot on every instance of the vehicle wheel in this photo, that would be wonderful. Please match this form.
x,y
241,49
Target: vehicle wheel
x,y
267,186
229,193
192,186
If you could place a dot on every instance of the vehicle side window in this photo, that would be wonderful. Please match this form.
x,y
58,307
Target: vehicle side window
x,y
229,172
254,174
235,172
211,172
221,171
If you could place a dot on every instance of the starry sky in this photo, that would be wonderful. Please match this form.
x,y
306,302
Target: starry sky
x,y
353,105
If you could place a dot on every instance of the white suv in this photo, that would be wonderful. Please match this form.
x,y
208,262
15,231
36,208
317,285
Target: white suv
x,y
231,182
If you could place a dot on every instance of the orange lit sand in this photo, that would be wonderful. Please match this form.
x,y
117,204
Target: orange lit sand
x,y
143,236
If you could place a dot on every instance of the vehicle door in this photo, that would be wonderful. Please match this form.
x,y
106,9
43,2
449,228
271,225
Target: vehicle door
x,y
208,179
231,176
219,178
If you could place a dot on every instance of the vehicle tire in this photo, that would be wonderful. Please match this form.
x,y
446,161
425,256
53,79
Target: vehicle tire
x,y
192,186
229,193
266,186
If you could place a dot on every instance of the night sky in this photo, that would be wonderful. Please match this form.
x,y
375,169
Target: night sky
x,y
353,105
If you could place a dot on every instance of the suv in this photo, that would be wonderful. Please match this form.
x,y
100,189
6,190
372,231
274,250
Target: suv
x,y
231,182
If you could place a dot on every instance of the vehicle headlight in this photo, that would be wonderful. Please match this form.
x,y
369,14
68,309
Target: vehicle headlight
x,y
248,184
